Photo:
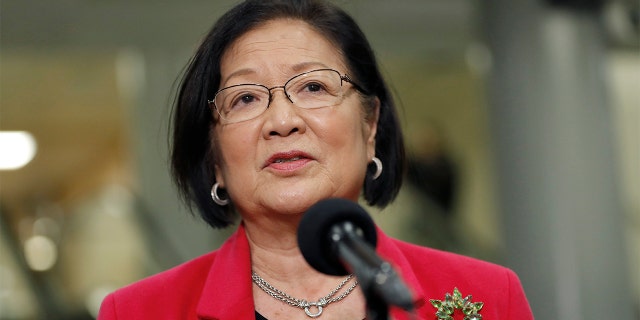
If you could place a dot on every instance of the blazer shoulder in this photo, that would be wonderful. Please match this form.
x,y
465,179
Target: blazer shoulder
x,y
422,257
445,270
439,272
174,287
184,274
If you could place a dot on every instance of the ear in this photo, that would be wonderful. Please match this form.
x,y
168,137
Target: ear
x,y
215,162
219,176
372,125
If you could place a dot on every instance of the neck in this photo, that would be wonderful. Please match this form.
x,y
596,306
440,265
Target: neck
x,y
276,258
274,250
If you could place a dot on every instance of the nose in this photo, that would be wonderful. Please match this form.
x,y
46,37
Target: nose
x,y
282,116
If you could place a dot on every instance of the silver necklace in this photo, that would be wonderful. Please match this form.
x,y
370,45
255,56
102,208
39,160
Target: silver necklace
x,y
301,303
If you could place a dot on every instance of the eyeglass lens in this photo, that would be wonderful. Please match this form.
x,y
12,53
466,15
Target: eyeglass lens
x,y
309,90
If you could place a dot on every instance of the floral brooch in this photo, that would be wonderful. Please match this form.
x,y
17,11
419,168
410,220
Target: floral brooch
x,y
455,302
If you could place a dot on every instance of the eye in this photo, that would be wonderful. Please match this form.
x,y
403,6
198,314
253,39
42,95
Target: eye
x,y
247,98
243,100
314,87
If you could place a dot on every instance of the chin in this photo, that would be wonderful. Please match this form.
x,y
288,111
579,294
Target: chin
x,y
293,202
296,197
293,205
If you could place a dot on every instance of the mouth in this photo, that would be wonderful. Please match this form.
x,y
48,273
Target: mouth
x,y
283,160
289,160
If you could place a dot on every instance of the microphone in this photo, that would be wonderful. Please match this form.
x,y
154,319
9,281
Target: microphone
x,y
338,237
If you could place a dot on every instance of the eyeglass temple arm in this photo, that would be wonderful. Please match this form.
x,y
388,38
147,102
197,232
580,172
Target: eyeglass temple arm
x,y
346,78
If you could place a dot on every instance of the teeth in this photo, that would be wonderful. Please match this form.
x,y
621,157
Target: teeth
x,y
287,160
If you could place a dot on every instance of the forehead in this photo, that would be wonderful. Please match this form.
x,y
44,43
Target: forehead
x,y
280,47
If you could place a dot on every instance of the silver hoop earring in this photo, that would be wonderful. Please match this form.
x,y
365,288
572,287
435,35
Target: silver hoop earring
x,y
216,198
378,167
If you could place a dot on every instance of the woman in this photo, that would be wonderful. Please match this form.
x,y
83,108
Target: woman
x,y
283,106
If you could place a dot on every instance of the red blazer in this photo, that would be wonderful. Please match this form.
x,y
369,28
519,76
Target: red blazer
x,y
218,285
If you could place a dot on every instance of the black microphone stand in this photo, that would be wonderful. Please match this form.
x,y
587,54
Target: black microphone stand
x,y
377,309
379,282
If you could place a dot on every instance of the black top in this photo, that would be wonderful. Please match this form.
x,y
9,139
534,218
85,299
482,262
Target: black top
x,y
260,317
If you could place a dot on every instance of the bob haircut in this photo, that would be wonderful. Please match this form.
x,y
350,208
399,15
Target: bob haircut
x,y
193,155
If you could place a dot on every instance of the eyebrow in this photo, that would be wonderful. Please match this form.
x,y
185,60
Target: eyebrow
x,y
300,67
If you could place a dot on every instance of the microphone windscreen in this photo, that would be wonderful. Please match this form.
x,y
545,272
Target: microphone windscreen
x,y
315,227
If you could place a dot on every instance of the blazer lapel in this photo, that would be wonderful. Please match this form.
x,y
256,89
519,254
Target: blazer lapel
x,y
388,250
229,281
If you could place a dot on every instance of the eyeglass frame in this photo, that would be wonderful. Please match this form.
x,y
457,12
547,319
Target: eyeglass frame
x,y
343,77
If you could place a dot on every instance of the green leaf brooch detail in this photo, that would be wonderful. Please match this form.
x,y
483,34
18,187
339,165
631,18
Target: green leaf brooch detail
x,y
455,302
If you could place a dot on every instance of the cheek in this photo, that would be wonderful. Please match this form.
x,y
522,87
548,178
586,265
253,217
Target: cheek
x,y
347,137
235,150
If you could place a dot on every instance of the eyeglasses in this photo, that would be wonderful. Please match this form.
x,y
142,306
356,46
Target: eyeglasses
x,y
310,90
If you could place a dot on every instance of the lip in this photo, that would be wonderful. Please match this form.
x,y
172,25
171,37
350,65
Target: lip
x,y
288,161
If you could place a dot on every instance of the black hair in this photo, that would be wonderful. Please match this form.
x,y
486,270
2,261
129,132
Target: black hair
x,y
193,155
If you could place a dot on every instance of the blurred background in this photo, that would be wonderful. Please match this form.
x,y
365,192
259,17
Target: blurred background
x,y
522,120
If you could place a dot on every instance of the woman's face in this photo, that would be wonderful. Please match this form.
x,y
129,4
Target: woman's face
x,y
288,158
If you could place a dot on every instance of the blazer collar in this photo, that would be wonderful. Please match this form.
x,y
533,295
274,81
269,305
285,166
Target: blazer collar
x,y
389,251
227,291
